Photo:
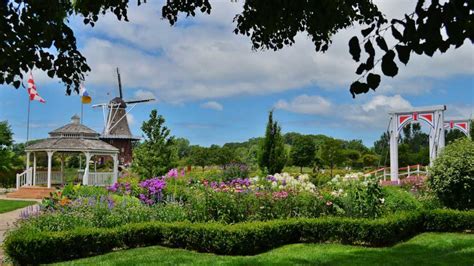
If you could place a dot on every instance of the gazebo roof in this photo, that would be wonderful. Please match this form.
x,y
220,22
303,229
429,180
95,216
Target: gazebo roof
x,y
73,137
74,130
65,144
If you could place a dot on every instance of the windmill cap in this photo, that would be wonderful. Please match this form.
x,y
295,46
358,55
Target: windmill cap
x,y
120,101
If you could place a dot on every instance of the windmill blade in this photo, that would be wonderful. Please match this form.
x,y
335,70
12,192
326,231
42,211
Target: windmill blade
x,y
119,84
99,105
139,101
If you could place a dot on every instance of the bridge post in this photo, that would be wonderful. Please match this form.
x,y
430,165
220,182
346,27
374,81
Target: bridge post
x,y
393,149
440,125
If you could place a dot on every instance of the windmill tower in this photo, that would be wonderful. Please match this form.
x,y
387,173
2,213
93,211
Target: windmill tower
x,y
116,129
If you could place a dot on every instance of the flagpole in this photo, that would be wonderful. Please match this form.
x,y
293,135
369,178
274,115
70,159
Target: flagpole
x,y
28,123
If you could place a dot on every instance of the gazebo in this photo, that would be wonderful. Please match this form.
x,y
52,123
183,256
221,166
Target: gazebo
x,y
71,138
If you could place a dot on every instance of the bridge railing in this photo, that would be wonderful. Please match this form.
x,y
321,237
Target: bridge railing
x,y
403,172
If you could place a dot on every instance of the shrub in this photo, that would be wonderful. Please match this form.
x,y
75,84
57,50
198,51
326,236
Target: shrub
x,y
235,170
397,199
72,191
26,246
32,247
452,175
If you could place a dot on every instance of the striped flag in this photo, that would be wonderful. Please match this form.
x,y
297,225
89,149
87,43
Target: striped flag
x,y
34,96
85,98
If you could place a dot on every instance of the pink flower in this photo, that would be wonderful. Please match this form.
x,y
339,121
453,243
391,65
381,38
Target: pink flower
x,y
173,173
329,203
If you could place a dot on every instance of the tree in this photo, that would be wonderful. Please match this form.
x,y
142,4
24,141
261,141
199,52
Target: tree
x,y
31,28
200,156
272,157
370,160
452,175
331,153
453,135
182,147
157,154
303,152
225,155
382,147
8,159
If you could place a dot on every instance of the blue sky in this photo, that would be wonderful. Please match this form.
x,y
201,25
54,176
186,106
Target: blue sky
x,y
212,88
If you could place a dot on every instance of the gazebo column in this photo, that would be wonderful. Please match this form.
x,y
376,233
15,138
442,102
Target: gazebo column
x,y
28,174
62,168
115,177
50,161
34,168
85,177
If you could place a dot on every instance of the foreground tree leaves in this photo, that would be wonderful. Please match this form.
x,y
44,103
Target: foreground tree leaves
x,y
422,33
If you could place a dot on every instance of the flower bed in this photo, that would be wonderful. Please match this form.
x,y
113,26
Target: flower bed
x,y
31,247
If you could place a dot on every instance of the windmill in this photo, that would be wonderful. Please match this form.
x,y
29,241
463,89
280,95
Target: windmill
x,y
116,129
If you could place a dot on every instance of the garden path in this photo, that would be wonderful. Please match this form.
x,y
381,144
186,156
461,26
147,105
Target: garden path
x,y
7,221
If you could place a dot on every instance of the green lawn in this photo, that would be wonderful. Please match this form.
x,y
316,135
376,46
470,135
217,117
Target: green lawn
x,y
11,205
424,249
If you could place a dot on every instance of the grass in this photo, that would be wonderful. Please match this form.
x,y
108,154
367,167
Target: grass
x,y
424,249
11,205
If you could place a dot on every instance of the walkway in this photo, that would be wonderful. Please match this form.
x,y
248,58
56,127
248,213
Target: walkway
x,y
7,221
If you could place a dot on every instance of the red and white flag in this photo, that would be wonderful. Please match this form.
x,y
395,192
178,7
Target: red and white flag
x,y
34,96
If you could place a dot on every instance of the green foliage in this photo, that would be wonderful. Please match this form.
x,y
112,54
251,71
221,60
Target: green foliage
x,y
331,153
422,32
303,151
157,154
448,220
26,246
452,175
234,171
272,156
397,199
72,191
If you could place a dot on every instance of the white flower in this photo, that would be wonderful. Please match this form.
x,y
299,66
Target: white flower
x,y
382,200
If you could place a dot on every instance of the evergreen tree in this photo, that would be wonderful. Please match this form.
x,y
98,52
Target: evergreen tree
x,y
157,154
272,157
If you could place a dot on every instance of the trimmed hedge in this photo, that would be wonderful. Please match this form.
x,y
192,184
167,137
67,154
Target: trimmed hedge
x,y
32,247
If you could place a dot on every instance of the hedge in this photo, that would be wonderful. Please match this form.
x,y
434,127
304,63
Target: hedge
x,y
25,246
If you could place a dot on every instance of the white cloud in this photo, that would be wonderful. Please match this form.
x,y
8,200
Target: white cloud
x,y
212,105
143,95
394,102
369,114
305,104
130,119
205,60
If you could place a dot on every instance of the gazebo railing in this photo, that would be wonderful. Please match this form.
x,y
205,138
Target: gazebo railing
x,y
41,178
22,179
98,178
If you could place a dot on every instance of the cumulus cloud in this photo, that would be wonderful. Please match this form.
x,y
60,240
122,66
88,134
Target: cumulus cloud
x,y
143,95
371,113
212,105
305,104
205,60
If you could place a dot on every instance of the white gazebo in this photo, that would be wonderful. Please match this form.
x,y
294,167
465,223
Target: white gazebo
x,y
71,138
